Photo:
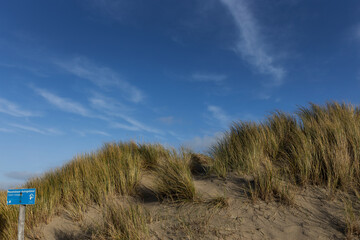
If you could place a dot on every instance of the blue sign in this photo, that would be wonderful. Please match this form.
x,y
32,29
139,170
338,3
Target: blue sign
x,y
21,196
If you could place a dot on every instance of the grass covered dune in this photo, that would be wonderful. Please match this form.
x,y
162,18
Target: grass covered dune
x,y
319,145
315,146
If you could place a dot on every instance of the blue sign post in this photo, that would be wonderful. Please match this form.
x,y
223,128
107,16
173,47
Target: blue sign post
x,y
21,197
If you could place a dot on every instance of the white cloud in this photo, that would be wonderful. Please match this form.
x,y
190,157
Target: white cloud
x,y
108,105
204,143
84,133
101,76
53,131
28,128
134,125
203,77
64,104
124,126
45,131
97,132
13,109
139,124
220,115
251,46
115,109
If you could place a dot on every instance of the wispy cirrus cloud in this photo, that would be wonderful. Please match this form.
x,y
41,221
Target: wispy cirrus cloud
x,y
136,125
101,76
107,104
64,104
207,77
219,115
117,110
85,133
124,126
43,131
98,132
113,109
251,46
13,109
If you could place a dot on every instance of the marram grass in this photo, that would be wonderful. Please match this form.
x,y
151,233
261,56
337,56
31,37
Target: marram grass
x,y
115,169
120,222
318,145
173,178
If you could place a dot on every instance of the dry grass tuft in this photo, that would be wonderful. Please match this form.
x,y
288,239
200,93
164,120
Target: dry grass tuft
x,y
199,164
219,202
352,221
152,154
121,222
267,187
173,179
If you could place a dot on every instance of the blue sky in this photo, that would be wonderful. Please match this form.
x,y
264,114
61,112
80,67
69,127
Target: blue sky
x,y
77,74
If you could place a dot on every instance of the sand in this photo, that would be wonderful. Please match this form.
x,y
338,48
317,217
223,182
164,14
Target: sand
x,y
313,216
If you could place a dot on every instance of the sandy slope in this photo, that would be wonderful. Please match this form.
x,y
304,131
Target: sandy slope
x,y
314,216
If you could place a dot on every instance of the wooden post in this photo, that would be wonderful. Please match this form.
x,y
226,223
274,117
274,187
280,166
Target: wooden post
x,y
21,223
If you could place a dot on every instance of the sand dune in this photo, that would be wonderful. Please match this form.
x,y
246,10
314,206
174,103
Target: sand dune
x,y
313,216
